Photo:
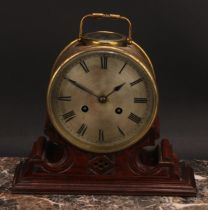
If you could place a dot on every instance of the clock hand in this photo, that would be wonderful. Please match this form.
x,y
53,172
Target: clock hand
x,y
117,88
81,87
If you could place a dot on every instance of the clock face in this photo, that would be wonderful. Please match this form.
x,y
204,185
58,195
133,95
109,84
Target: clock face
x,y
102,101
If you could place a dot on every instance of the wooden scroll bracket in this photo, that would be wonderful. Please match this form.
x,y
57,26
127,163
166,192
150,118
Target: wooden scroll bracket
x,y
55,166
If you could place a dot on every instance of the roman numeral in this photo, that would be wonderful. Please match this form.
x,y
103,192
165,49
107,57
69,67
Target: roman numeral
x,y
68,116
64,98
137,81
104,62
122,68
134,118
120,131
101,135
81,131
140,100
84,66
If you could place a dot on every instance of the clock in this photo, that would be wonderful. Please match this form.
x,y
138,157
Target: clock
x,y
102,124
102,100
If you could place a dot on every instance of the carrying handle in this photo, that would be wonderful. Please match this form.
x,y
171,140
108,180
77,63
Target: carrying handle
x,y
110,16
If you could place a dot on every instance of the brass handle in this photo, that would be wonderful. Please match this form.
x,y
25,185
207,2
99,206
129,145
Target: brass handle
x,y
102,15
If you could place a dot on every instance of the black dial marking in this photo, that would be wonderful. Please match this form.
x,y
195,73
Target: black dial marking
x,y
137,81
121,132
81,131
122,68
104,62
84,66
68,116
101,135
140,100
134,118
64,98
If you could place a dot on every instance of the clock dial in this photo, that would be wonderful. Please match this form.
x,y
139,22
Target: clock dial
x,y
102,101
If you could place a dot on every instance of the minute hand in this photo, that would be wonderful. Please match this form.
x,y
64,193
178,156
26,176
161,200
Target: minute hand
x,y
81,87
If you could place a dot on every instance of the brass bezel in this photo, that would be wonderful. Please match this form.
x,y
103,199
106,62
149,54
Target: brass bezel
x,y
75,141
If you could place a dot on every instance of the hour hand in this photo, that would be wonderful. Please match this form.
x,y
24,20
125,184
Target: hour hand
x,y
81,86
117,88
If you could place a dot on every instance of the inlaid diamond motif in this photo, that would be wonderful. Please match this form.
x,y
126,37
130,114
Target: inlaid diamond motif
x,y
102,165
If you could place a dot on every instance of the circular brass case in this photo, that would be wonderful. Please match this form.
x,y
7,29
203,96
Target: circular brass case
x,y
74,51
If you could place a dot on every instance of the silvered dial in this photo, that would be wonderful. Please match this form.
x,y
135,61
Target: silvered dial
x,y
102,101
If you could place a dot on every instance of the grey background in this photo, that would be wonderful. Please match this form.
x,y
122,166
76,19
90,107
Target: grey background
x,y
173,33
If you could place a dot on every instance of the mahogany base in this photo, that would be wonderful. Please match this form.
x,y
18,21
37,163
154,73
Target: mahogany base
x,y
141,186
134,171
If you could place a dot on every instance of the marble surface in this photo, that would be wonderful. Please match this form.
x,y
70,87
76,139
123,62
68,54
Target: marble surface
x,y
78,202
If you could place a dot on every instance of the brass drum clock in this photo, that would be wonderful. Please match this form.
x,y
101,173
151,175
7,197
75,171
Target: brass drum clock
x,y
102,124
